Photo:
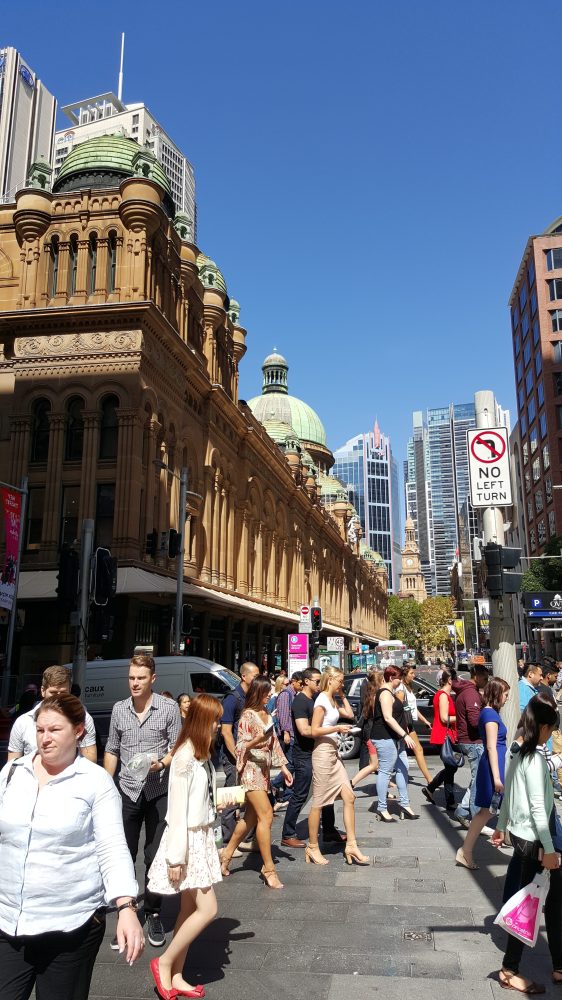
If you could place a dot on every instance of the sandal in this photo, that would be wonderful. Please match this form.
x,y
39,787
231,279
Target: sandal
x,y
533,989
271,878
224,867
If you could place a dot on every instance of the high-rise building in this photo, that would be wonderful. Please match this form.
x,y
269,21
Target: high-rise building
x,y
107,115
536,326
369,471
27,122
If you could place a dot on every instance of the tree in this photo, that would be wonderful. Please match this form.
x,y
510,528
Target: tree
x,y
404,621
437,613
544,574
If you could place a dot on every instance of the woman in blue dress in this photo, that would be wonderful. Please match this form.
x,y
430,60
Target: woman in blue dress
x,y
491,769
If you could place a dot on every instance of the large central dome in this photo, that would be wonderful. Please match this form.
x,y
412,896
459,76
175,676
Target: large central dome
x,y
275,404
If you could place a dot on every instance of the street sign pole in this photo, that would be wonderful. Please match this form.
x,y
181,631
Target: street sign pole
x,y
502,630
81,636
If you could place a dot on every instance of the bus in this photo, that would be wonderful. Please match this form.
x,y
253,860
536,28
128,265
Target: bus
x,y
395,651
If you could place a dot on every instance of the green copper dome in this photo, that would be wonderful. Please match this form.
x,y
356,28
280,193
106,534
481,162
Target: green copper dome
x,y
106,160
210,274
278,429
275,403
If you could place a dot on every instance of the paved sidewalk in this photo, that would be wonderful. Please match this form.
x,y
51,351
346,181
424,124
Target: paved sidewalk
x,y
342,931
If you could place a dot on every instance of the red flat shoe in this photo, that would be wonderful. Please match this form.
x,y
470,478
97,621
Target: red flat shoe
x,y
162,992
197,991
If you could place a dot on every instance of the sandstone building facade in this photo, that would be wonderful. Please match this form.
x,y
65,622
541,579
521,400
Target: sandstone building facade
x,y
120,353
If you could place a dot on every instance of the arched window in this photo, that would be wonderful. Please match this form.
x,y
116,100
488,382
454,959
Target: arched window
x,y
111,262
109,428
74,429
53,266
92,262
40,430
72,264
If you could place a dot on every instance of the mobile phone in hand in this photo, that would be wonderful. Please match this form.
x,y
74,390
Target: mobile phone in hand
x,y
268,729
495,803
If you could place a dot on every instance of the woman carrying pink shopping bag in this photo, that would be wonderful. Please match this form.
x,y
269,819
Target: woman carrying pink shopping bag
x,y
526,815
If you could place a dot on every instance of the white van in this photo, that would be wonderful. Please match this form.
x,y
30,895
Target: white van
x,y
107,682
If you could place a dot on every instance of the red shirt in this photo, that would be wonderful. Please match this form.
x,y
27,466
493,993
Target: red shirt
x,y
438,730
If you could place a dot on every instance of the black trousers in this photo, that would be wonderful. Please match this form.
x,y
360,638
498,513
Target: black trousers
x,y
302,780
445,777
151,812
59,965
552,914
228,816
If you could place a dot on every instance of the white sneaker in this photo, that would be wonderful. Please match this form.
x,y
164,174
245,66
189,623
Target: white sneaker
x,y
249,845
487,831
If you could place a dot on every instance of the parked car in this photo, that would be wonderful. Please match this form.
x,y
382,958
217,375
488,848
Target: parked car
x,y
425,689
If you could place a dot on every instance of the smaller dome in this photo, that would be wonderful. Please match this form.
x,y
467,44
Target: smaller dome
x,y
183,226
210,274
107,159
234,312
379,561
275,359
278,430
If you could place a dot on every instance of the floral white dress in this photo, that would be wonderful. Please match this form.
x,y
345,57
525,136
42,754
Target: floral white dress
x,y
193,846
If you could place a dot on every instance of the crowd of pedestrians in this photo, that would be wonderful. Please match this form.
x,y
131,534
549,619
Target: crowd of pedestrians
x,y
159,774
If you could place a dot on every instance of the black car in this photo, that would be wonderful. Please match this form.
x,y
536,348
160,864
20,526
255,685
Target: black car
x,y
425,689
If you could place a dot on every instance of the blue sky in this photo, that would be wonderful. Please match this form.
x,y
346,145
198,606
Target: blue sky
x,y
367,175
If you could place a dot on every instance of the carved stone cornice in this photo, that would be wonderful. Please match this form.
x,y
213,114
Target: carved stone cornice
x,y
77,344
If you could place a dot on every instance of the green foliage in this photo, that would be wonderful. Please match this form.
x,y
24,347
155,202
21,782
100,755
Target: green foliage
x,y
544,574
437,613
404,620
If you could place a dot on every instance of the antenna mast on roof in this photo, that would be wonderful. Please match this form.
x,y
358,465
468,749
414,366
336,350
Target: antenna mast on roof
x,y
120,83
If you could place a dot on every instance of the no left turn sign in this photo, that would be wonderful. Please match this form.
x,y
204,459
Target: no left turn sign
x,y
488,466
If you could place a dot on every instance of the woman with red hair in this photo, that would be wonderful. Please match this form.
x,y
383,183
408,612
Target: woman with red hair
x,y
187,862
389,733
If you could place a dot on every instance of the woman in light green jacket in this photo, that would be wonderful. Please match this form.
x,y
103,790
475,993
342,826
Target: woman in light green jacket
x,y
526,814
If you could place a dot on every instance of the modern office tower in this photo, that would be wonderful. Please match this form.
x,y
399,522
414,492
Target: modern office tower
x,y
418,495
108,115
536,325
27,122
366,466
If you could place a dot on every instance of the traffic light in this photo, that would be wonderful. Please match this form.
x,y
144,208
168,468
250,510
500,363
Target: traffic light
x,y
102,625
152,543
511,581
186,619
316,619
105,576
500,561
174,543
68,577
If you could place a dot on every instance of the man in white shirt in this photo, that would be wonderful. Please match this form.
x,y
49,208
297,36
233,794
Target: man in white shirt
x,y
23,739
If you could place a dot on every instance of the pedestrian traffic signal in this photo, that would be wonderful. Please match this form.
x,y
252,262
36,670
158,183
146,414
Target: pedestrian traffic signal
x,y
102,625
186,619
152,544
316,619
174,543
511,582
105,576
68,578
500,561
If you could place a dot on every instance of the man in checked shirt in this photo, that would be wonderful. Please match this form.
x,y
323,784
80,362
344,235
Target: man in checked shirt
x,y
144,723
286,735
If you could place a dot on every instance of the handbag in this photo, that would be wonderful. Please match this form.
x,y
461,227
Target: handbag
x,y
527,850
408,719
451,753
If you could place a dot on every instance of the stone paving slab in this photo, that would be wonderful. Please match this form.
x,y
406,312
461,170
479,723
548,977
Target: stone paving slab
x,y
398,988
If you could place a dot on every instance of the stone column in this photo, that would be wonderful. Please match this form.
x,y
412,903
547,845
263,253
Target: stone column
x,y
230,559
224,498
128,485
19,448
215,554
150,473
100,291
207,525
258,571
60,297
242,574
52,514
90,452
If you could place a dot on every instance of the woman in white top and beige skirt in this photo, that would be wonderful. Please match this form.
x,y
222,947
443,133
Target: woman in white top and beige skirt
x,y
330,780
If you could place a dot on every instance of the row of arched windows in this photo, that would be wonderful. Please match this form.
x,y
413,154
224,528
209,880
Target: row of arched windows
x,y
74,438
91,276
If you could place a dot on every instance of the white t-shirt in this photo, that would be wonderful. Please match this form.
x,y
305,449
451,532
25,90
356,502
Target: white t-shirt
x,y
23,737
410,700
331,716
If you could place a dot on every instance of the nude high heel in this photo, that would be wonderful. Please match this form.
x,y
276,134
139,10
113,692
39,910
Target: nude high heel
x,y
314,856
353,854
271,878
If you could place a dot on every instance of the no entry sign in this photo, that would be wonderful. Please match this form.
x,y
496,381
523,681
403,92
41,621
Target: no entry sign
x,y
488,466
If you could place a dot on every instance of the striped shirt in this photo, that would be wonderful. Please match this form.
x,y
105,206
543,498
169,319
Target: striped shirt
x,y
156,734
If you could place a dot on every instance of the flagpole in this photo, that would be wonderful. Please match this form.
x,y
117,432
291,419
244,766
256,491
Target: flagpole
x,y
7,675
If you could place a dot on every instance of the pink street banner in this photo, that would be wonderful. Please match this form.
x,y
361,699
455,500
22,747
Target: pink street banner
x,y
298,652
11,508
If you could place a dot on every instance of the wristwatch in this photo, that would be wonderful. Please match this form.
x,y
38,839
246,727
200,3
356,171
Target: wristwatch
x,y
132,904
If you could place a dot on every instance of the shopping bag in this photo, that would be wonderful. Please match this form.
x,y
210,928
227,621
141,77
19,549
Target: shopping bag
x,y
521,915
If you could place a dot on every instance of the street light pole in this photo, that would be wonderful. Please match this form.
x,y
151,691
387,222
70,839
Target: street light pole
x,y
180,565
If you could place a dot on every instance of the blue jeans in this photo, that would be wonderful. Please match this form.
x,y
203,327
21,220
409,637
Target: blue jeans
x,y
392,755
278,782
473,752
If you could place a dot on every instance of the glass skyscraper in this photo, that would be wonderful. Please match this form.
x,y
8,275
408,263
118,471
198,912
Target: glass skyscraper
x,y
366,466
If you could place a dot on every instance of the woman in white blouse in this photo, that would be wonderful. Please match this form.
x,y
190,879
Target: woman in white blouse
x,y
330,780
187,861
63,857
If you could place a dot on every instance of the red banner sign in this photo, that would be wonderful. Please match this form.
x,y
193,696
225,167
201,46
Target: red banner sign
x,y
11,507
